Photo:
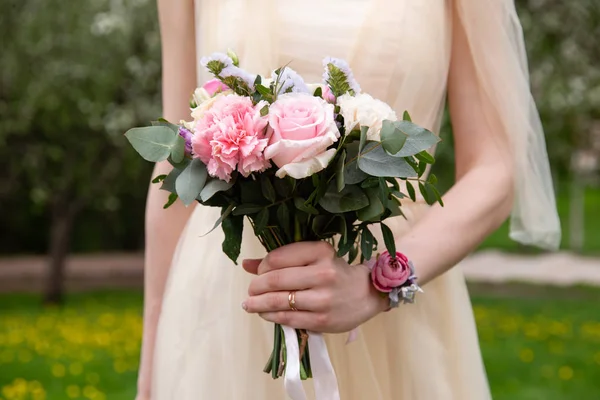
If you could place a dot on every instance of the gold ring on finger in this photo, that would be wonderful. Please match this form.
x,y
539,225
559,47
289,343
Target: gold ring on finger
x,y
292,300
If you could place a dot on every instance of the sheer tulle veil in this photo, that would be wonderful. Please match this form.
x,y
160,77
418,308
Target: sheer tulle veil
x,y
497,46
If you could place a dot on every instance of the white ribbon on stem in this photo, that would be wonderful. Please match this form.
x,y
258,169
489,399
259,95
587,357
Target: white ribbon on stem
x,y
323,375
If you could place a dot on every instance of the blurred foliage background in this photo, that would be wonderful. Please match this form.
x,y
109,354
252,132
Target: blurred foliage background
x,y
74,77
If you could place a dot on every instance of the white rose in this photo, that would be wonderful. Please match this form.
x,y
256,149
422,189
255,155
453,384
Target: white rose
x,y
364,110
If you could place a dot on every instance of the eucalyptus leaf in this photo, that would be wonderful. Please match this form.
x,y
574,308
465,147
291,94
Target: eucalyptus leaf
x,y
339,175
363,138
191,181
388,239
344,247
376,162
353,174
178,150
417,138
352,198
392,138
164,122
168,183
153,143
233,228
375,208
214,186
325,226
224,214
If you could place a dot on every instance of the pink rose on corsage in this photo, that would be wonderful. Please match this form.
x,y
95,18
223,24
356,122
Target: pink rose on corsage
x,y
230,136
388,273
303,127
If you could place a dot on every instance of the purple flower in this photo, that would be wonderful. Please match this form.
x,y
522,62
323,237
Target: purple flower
x,y
238,73
343,66
187,136
290,81
216,62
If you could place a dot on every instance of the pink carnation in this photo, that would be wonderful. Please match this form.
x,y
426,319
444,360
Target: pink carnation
x,y
231,136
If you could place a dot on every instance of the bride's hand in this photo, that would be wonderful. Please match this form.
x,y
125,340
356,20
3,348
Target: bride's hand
x,y
331,295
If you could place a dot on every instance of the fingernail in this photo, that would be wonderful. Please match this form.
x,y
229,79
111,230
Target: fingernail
x,y
244,306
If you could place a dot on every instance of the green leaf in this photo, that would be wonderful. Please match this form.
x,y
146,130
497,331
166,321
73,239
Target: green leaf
x,y
153,143
406,116
353,174
376,162
424,193
264,111
224,214
233,228
267,189
164,122
384,192
344,247
394,183
370,182
214,186
318,92
263,90
169,183
417,138
352,198
436,194
284,219
284,187
178,150
339,176
363,138
302,206
366,243
159,178
421,167
392,138
325,226
411,191
388,239
425,157
375,208
247,209
353,254
260,221
191,181
170,201
432,179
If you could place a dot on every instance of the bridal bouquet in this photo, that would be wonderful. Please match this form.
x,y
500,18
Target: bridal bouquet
x,y
303,162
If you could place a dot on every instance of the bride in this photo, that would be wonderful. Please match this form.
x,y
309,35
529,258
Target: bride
x,y
207,330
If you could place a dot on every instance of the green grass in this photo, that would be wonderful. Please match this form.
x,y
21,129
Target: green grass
x,y
500,240
534,348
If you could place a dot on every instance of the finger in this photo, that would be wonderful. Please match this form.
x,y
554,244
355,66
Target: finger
x,y
306,300
251,265
295,278
311,321
296,255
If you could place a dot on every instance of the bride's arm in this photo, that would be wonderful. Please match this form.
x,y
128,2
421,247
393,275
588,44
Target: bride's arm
x,y
163,227
482,197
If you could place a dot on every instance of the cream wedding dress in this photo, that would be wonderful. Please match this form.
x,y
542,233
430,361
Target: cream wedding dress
x,y
207,347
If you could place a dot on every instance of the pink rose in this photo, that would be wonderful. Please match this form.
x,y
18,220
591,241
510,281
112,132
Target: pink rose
x,y
230,136
388,272
214,86
303,128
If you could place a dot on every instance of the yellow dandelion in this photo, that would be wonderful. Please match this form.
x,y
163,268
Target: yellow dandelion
x,y
565,373
59,370
526,355
73,391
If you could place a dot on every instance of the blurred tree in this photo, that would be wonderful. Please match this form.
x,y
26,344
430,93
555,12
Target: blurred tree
x,y
74,78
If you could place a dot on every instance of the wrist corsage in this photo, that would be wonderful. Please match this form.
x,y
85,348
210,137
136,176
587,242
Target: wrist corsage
x,y
394,277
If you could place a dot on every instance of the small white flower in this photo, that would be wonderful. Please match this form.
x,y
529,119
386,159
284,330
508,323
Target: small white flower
x,y
364,110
